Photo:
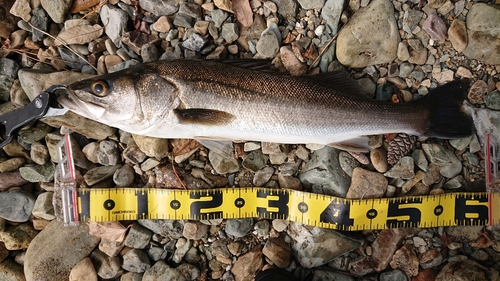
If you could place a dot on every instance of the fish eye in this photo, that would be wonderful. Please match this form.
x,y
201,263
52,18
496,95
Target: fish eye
x,y
100,88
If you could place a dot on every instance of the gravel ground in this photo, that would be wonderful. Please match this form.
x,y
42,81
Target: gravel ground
x,y
397,50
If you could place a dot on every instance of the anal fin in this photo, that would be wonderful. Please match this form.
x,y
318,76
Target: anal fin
x,y
358,144
222,147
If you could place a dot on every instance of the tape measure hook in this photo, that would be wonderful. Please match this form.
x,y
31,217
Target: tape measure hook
x,y
67,182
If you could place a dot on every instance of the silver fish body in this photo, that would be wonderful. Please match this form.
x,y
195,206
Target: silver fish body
x,y
211,100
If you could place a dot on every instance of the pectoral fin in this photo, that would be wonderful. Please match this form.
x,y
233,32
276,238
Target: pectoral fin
x,y
359,144
209,117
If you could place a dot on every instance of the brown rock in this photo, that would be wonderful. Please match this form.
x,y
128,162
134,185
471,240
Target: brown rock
x,y
477,92
412,182
278,251
195,230
289,182
225,5
384,247
466,270
11,179
11,271
136,39
163,24
425,275
463,233
457,34
18,237
83,271
292,64
248,264
378,157
366,184
406,259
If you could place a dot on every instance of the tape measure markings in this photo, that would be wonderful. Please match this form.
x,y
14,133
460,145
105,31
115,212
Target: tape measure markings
x,y
313,209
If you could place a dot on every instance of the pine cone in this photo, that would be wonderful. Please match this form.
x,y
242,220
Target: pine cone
x,y
399,147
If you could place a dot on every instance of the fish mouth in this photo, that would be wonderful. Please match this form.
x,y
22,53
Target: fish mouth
x,y
88,109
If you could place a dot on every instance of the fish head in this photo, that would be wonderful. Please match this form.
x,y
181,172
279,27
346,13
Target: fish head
x,y
101,99
133,99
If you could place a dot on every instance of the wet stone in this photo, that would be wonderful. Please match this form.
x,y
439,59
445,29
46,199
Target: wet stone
x,y
136,261
239,227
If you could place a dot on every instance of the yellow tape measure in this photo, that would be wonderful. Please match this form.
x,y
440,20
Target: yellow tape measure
x,y
325,211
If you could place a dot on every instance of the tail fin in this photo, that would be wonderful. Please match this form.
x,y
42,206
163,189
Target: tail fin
x,y
446,119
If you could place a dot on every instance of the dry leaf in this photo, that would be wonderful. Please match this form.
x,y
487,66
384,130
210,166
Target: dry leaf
x,y
113,231
79,34
243,12
80,5
225,5
183,146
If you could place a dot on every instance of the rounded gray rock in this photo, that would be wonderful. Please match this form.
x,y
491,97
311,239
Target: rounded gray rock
x,y
370,37
49,256
268,45
239,227
136,261
16,205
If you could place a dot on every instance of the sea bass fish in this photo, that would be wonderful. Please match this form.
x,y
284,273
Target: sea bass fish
x,y
210,100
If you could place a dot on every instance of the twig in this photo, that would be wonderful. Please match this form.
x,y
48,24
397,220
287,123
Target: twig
x,y
64,44
177,175
323,51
